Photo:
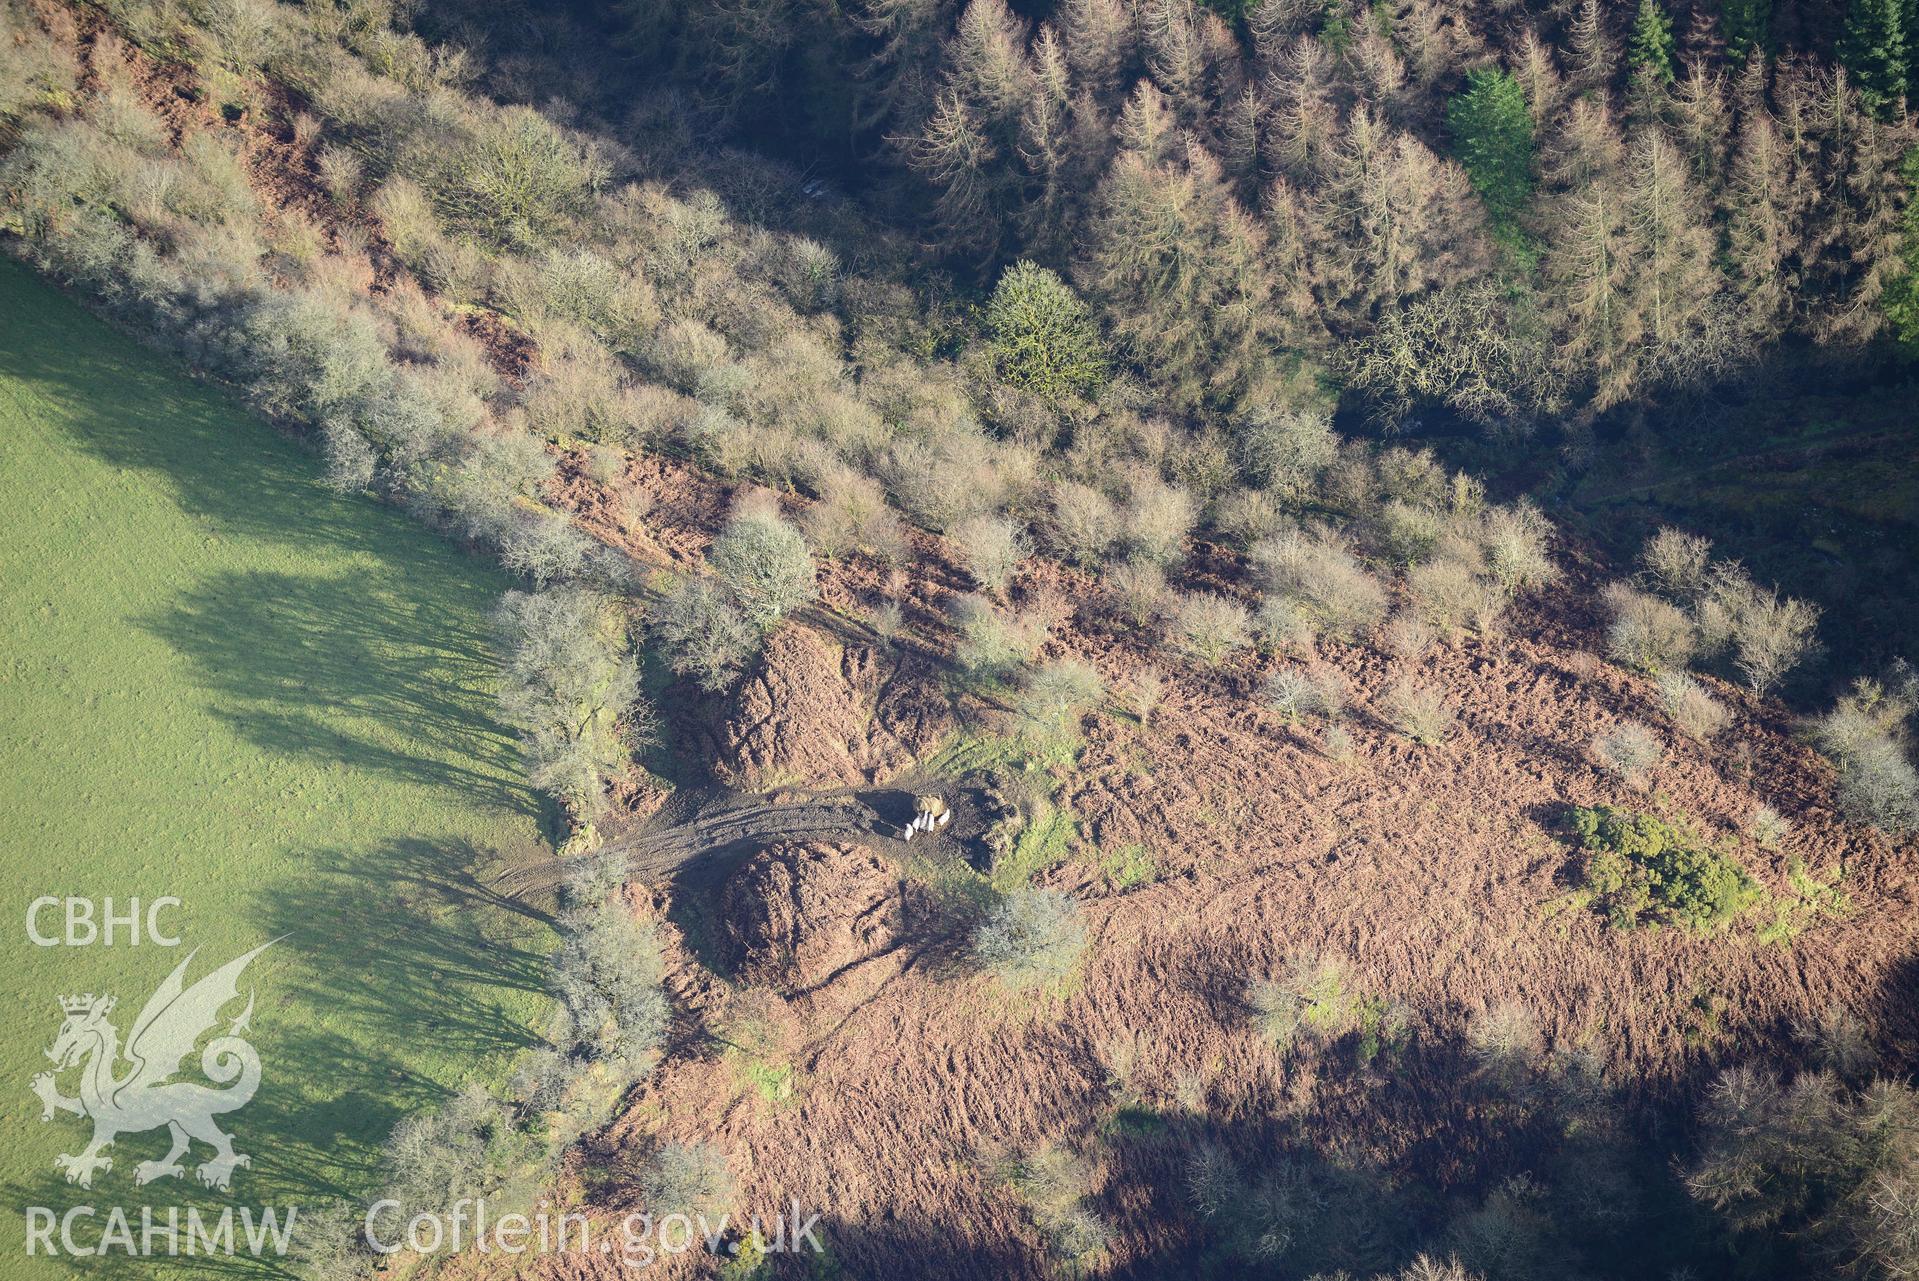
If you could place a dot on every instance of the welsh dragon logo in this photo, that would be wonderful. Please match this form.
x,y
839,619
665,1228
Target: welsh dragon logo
x,y
143,1096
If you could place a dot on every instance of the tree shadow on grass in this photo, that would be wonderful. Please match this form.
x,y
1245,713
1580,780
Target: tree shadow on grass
x,y
408,974
312,1134
407,947
349,671
135,409
389,624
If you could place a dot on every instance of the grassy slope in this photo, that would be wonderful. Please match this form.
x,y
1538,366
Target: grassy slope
x,y
222,682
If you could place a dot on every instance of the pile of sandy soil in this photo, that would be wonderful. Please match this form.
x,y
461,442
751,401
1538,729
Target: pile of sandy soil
x,y
818,714
797,916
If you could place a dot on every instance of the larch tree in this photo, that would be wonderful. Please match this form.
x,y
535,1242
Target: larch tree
x,y
968,149
1377,70
1435,39
1305,122
1853,195
1181,268
1146,126
1099,43
1588,255
988,64
1872,227
1289,261
1179,53
1702,42
1588,267
1390,221
1594,57
957,158
1045,148
1702,124
1273,24
1673,282
1539,78
1760,230
1751,84
1242,139
898,82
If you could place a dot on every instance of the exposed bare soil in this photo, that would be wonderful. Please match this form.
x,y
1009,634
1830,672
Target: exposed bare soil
x,y
1429,868
796,916
815,713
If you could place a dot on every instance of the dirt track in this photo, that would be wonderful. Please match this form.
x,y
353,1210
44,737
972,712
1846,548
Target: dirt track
x,y
732,824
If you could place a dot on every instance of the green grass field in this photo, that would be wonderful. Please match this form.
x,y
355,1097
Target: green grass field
x,y
220,681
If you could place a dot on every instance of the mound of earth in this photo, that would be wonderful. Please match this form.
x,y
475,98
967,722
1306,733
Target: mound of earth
x,y
819,715
797,914
1430,872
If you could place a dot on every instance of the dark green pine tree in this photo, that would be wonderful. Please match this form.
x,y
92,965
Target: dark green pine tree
x,y
1650,52
1747,25
1910,29
1874,50
1493,138
1902,295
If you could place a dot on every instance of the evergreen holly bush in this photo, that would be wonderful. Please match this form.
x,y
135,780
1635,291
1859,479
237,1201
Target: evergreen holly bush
x,y
1641,870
